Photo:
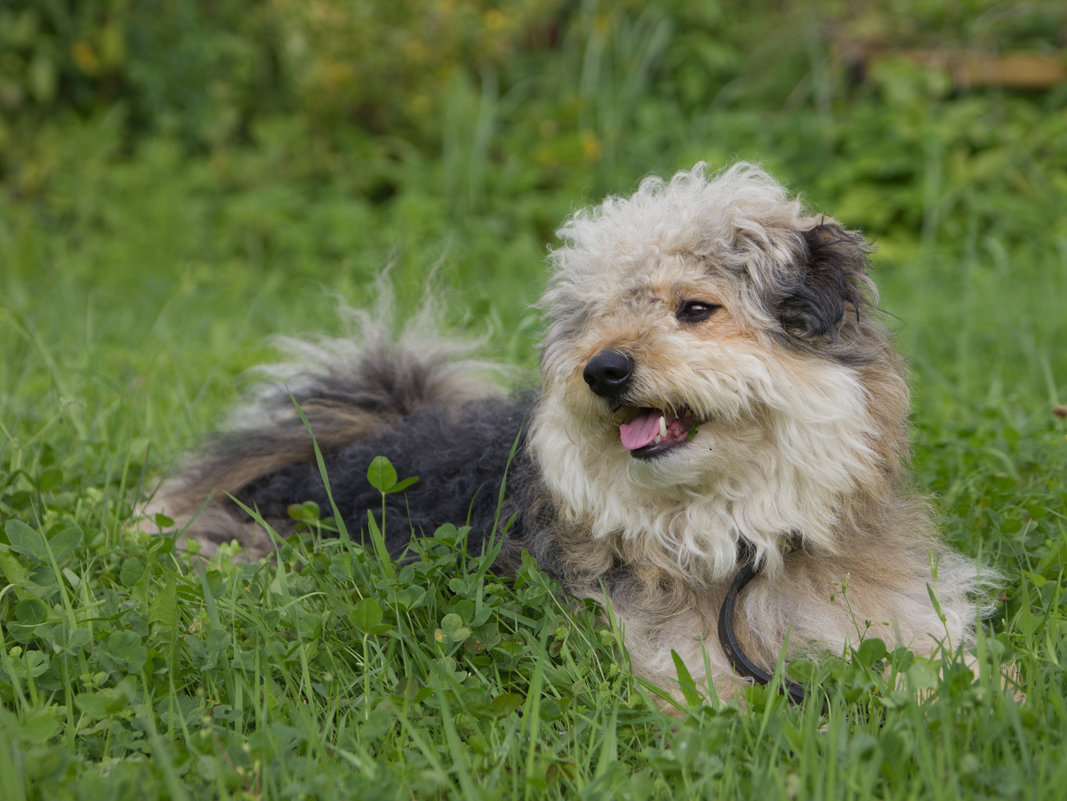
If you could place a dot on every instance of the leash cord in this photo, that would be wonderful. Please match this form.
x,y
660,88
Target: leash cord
x,y
732,648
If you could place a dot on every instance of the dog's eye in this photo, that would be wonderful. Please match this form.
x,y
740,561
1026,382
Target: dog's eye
x,y
696,311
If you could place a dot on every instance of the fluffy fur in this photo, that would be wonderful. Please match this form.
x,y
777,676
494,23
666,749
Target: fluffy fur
x,y
715,383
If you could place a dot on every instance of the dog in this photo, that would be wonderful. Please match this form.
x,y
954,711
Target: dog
x,y
718,449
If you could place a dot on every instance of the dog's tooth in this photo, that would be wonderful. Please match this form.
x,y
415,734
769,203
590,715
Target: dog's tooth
x,y
662,427
657,440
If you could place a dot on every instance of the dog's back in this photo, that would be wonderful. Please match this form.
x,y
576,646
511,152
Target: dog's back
x,y
426,409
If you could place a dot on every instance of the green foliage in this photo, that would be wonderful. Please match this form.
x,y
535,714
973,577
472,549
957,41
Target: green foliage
x,y
198,70
156,655
389,66
180,180
382,476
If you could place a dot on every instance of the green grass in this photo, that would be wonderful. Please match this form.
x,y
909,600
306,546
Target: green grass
x,y
138,282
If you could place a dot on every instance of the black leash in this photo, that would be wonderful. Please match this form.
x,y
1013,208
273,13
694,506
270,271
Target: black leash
x,y
728,638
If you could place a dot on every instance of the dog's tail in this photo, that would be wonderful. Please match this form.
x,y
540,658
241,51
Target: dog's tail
x,y
346,389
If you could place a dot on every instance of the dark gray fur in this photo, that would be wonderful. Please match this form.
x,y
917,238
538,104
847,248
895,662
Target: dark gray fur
x,y
460,456
469,456
827,302
420,405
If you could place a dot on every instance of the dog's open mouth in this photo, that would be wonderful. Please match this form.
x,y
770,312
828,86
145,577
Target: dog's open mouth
x,y
652,432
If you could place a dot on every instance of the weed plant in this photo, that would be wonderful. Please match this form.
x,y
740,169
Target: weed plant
x,y
143,267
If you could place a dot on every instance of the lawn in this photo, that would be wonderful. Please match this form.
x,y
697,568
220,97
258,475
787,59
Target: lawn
x,y
152,241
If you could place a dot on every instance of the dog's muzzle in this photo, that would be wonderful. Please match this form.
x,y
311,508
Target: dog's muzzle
x,y
608,373
647,432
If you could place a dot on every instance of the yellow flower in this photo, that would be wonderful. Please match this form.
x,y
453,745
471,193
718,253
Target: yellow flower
x,y
590,145
495,21
85,57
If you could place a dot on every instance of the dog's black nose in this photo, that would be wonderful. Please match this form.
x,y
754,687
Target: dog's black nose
x,y
608,373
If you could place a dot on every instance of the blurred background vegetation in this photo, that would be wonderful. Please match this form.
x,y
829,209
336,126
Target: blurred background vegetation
x,y
532,97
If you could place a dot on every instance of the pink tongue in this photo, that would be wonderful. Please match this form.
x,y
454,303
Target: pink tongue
x,y
642,431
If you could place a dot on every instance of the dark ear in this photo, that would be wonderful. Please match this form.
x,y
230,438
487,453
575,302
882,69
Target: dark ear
x,y
828,282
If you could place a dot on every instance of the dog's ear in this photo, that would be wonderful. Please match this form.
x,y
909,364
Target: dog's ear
x,y
828,282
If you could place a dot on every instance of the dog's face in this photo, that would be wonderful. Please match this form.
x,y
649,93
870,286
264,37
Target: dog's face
x,y
704,369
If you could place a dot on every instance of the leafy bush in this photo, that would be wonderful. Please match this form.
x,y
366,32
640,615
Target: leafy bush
x,y
198,70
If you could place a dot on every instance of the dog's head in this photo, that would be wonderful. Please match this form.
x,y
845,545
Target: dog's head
x,y
713,370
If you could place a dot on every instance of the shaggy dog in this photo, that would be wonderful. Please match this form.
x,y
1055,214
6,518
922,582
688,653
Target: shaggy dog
x,y
719,406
